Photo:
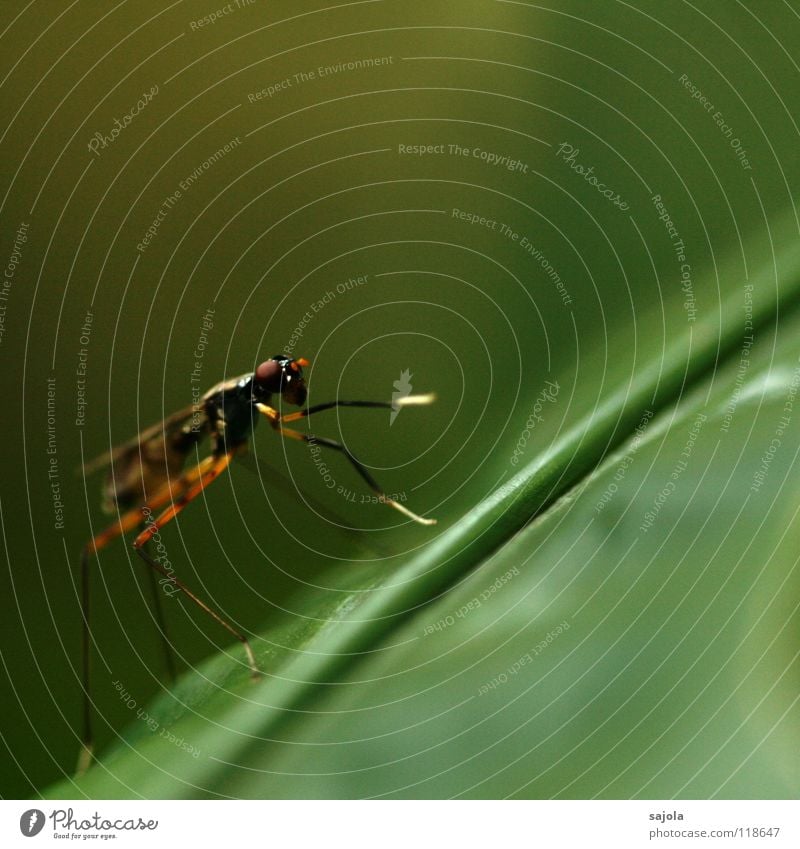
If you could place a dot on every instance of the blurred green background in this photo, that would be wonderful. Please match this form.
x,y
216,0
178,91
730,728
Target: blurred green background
x,y
490,265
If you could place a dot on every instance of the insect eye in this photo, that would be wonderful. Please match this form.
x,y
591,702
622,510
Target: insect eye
x,y
268,374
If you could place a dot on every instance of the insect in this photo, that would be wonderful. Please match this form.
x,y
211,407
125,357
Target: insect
x,y
146,476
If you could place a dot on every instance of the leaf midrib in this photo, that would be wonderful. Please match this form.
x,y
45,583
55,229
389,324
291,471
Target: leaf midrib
x,y
547,478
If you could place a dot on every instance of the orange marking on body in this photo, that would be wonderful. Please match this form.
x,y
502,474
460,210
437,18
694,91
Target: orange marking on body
x,y
126,523
218,464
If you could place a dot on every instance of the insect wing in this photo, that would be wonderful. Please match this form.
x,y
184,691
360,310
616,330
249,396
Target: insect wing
x,y
150,460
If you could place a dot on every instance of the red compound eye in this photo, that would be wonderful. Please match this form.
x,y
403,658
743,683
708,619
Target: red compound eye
x,y
268,374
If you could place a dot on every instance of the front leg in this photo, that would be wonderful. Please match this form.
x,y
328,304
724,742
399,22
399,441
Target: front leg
x,y
408,401
276,420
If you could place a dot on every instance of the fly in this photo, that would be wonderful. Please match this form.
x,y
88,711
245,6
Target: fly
x,y
147,486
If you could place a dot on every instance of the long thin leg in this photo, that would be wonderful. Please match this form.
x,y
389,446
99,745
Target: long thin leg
x,y
172,490
85,755
205,472
127,522
276,420
161,622
153,564
216,468
130,520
